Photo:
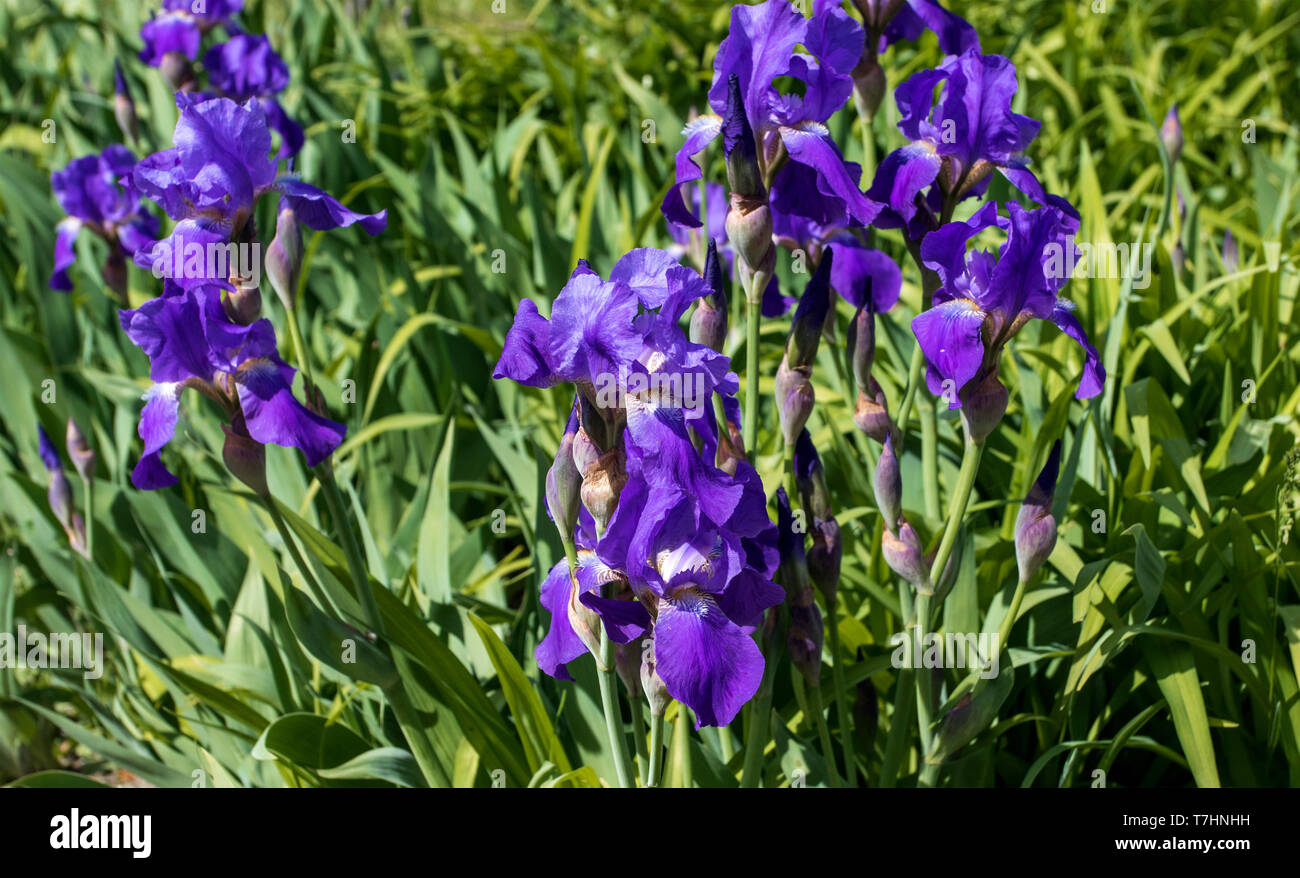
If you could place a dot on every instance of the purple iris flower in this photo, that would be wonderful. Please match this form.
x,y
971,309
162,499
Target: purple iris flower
x,y
986,297
211,178
89,191
192,342
816,182
895,21
621,343
701,586
858,270
245,66
181,27
957,141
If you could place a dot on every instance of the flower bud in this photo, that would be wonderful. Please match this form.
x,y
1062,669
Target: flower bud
x,y
789,542
749,228
1171,132
123,105
80,452
656,693
825,556
60,492
809,477
114,272
810,315
731,444
245,457
1035,525
627,663
177,71
888,485
1230,257
743,174
284,256
243,303
973,713
871,413
794,399
869,85
77,535
585,452
861,340
983,406
804,640
709,322
585,622
904,556
564,483
601,486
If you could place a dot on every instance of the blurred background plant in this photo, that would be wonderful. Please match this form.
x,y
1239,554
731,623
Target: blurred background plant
x,y
506,146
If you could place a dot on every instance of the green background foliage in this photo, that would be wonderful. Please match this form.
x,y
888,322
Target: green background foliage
x,y
1163,649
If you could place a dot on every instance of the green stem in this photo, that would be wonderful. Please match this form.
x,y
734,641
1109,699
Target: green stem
x,y
823,735
841,700
726,743
970,462
753,313
930,460
914,370
756,728
1009,620
904,701
656,749
638,737
90,516
682,745
613,718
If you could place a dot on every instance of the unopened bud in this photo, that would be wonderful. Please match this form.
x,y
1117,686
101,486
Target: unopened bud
x,y
749,228
794,399
983,406
825,556
1171,132
904,556
177,71
123,105
804,640
245,457
871,413
564,483
861,340
869,85
810,315
709,322
810,478
243,303
601,486
284,256
743,174
656,693
585,622
80,452
114,272
1035,525
888,485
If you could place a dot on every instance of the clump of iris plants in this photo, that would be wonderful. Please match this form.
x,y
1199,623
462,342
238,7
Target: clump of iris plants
x,y
656,488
